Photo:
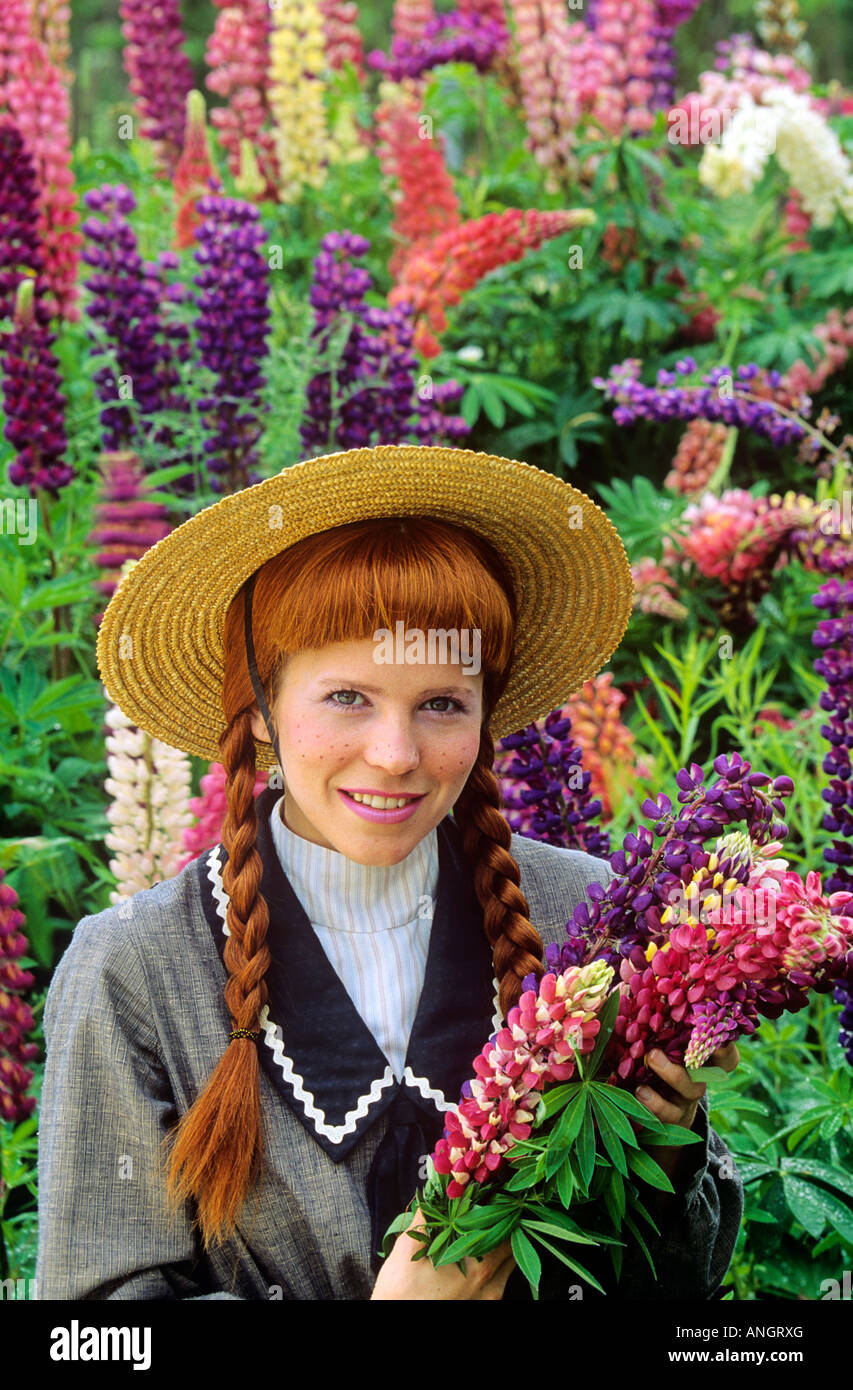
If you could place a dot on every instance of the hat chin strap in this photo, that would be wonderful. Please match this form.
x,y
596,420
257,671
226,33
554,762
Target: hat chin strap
x,y
253,673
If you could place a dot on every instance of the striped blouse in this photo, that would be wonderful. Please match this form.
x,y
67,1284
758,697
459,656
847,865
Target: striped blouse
x,y
373,922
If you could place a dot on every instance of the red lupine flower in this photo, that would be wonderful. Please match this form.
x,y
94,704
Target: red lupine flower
x,y
437,277
16,1019
193,171
424,199
697,456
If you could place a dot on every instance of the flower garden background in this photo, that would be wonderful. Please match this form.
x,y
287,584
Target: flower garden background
x,y
611,240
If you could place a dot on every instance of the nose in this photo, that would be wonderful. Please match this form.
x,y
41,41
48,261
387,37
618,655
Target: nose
x,y
393,746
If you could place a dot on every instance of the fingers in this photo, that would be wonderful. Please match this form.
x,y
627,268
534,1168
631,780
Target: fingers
x,y
675,1076
665,1110
726,1057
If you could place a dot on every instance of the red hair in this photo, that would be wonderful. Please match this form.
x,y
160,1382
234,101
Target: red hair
x,y
341,585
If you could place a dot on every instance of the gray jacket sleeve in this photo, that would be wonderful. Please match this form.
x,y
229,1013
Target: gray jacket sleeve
x,y
699,1224
106,1229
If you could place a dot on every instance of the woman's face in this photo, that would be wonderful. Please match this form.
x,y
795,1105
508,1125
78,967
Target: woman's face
x,y
346,723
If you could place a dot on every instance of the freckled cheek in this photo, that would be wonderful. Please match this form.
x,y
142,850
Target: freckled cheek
x,y
457,758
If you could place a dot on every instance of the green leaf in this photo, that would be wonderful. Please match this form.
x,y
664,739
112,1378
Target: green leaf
x,y
566,1185
572,1264
635,1108
586,1147
821,1172
609,1137
570,1121
801,1199
527,1260
550,1229
616,1116
558,1098
636,1233
645,1167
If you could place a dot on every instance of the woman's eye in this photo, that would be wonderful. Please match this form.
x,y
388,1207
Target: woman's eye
x,y
348,704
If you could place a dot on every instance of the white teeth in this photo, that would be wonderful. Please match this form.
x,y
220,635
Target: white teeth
x,y
381,803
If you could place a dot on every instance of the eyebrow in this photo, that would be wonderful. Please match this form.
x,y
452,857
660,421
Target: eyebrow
x,y
348,683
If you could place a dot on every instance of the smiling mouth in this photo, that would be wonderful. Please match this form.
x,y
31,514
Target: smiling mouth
x,y
383,803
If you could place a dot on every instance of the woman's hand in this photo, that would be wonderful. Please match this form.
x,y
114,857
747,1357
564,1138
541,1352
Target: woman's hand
x,y
401,1277
681,1107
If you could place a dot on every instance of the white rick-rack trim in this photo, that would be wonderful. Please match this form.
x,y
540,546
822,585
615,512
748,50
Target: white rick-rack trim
x,y
274,1040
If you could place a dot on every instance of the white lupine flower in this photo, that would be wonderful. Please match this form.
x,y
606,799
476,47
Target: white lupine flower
x,y
812,157
149,783
805,147
737,163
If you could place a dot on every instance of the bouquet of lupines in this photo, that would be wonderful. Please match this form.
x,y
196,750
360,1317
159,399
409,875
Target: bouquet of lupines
x,y
701,930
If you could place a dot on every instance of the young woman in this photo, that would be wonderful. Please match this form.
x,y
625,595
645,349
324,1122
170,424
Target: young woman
x,y
248,1064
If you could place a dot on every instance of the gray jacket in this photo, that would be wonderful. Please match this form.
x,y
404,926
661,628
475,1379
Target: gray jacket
x,y
135,1021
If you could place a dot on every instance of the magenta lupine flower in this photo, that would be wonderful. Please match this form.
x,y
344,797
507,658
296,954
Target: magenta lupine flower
x,y
537,1046
16,1019
21,251
454,37
33,402
159,72
232,328
37,102
129,308
341,34
126,523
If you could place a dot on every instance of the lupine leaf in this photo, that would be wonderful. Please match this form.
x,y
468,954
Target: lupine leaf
x,y
823,1172
551,1229
570,1121
801,1198
572,1264
646,1168
586,1148
527,1259
635,1231
557,1099
609,1137
566,1185
635,1108
615,1115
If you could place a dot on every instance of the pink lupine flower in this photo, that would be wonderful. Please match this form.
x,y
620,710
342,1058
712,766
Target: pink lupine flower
x,y
209,812
536,1047
816,924
16,1019
237,56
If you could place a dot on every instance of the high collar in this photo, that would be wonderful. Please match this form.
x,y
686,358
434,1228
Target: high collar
x,y
316,1048
338,893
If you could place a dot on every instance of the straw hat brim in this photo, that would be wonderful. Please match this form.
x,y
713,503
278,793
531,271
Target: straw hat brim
x,y
160,649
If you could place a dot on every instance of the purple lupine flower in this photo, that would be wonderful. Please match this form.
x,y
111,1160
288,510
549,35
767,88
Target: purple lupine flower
x,y
621,916
669,401
16,1019
128,309
670,14
21,251
159,71
544,789
33,402
232,328
455,37
834,636
374,398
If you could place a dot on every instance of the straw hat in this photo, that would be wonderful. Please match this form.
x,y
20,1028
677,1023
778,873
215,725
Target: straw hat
x,y
160,642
